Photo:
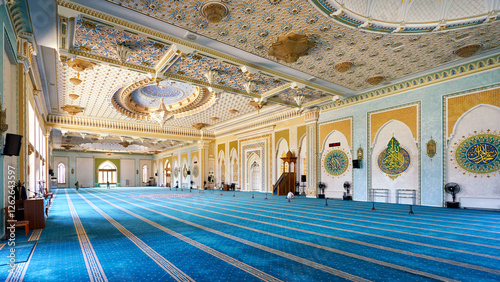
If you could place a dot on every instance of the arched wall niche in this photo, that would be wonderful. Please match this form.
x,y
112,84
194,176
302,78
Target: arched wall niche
x,y
388,179
473,159
336,164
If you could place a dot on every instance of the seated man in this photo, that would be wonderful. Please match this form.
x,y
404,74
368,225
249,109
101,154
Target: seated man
x,y
290,195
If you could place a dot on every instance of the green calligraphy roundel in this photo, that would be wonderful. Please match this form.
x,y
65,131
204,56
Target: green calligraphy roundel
x,y
336,162
479,153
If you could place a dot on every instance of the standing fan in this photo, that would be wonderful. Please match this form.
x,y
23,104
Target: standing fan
x,y
452,188
322,186
347,185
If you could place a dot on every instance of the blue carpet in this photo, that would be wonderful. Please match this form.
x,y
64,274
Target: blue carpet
x,y
21,254
159,234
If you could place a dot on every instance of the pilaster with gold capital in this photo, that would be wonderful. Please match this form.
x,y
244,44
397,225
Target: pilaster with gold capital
x,y
203,153
311,120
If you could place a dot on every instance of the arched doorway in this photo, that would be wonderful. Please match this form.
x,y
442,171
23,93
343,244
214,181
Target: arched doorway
x,y
167,175
107,172
255,175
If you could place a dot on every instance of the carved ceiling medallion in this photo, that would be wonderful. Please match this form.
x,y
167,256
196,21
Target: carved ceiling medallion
x,y
291,47
467,51
214,11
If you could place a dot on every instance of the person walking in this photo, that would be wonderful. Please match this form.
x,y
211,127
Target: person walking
x,y
108,184
77,185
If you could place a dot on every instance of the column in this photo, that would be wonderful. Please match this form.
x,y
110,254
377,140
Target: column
x,y
311,119
203,155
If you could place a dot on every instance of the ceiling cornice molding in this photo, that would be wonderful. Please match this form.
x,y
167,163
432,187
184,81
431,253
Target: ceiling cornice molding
x,y
261,122
175,40
464,69
86,124
80,151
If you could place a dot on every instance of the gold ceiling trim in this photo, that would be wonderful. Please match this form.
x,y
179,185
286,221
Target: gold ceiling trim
x,y
172,39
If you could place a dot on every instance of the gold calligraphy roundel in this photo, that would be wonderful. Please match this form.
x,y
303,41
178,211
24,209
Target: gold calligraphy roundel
x,y
479,153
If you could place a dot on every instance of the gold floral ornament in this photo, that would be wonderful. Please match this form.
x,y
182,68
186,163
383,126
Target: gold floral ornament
x,y
290,48
431,148
3,119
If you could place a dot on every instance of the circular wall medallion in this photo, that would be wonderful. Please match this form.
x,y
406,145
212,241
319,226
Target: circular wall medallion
x,y
196,171
176,172
479,153
336,162
395,163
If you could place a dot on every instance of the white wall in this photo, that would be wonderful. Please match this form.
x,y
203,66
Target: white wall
x,y
128,172
85,172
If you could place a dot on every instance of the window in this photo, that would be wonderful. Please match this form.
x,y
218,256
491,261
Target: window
x,y
145,173
61,173
107,172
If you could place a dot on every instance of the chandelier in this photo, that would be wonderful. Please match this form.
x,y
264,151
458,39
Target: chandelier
x,y
249,86
210,75
161,115
214,11
123,52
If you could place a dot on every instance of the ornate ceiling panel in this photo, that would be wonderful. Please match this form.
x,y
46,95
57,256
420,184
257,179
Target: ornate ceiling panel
x,y
102,40
194,66
254,25
95,91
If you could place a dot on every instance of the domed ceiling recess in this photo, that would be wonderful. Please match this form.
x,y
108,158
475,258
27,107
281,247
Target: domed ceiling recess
x,y
407,16
143,97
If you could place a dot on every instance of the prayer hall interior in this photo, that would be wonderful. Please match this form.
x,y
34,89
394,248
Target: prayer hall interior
x,y
246,140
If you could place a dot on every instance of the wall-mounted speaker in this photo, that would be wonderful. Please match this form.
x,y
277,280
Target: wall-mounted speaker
x,y
303,178
356,164
12,144
188,172
156,173
51,172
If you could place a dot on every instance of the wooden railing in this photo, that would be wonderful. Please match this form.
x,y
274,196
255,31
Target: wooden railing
x,y
285,184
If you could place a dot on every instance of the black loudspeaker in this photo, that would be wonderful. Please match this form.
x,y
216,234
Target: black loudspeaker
x,y
12,144
303,178
156,173
209,178
51,172
188,172
356,164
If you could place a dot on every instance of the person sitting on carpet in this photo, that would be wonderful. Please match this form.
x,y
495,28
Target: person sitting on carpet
x,y
290,195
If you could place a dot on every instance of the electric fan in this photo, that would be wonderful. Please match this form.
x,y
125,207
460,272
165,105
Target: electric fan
x,y
322,186
453,189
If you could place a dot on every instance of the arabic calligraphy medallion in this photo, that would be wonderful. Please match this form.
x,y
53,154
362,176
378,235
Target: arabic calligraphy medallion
x,y
394,160
479,153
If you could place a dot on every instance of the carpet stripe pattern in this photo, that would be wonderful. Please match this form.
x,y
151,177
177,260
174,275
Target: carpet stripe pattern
x,y
94,268
159,234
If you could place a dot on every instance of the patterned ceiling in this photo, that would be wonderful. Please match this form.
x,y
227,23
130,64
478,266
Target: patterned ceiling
x,y
253,26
